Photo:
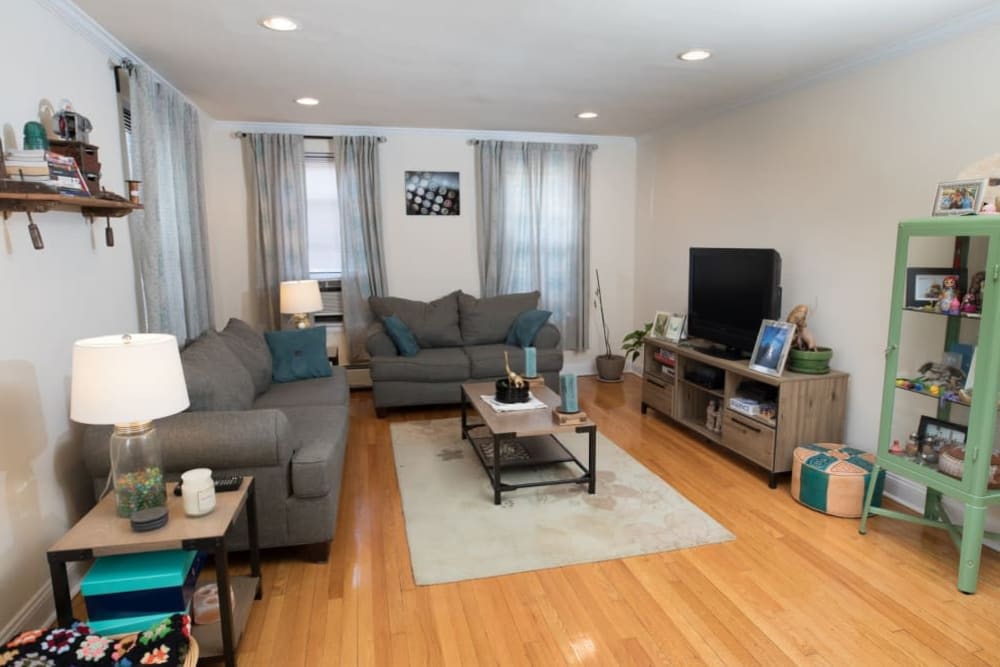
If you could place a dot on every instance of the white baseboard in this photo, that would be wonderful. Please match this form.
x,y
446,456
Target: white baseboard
x,y
40,610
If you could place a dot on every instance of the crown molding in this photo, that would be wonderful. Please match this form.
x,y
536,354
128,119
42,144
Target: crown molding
x,y
352,130
90,29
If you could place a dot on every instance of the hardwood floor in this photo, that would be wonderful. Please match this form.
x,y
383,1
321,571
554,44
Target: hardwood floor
x,y
794,587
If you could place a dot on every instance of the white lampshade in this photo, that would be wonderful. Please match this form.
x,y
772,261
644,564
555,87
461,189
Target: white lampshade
x,y
126,379
301,296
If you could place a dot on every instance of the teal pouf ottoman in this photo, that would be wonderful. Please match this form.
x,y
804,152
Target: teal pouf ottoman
x,y
833,478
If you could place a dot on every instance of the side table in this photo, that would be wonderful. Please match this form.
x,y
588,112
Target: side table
x,y
102,533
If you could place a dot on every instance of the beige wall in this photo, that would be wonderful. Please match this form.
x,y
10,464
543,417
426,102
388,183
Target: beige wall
x,y
74,288
428,256
823,175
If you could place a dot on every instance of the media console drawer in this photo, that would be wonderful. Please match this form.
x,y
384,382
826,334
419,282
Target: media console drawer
x,y
748,437
658,394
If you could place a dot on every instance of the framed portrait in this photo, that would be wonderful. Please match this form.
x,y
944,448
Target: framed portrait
x,y
938,428
660,320
925,285
675,328
432,193
959,197
771,350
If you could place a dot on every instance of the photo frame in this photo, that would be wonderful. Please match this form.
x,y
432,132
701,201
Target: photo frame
x,y
675,328
771,350
432,193
950,431
959,197
660,321
923,284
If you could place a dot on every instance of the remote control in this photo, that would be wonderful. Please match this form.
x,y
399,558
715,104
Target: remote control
x,y
222,485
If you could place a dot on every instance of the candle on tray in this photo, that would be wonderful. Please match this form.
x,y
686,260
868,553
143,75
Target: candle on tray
x,y
567,390
530,362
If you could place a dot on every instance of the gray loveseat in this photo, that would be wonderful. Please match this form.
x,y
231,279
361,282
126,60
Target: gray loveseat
x,y
461,338
290,436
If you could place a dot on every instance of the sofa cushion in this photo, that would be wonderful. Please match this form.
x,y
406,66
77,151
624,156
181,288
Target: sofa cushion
x,y
404,340
320,432
299,354
327,391
215,378
251,349
434,324
486,361
526,326
446,364
487,321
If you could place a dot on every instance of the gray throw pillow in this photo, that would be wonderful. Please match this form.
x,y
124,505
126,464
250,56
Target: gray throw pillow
x,y
487,321
215,378
434,324
251,349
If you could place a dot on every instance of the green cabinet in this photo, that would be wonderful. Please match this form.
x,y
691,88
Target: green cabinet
x,y
942,373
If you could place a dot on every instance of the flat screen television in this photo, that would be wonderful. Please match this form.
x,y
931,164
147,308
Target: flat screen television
x,y
730,290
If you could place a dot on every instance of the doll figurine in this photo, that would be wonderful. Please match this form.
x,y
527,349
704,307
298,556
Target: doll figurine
x,y
949,302
972,302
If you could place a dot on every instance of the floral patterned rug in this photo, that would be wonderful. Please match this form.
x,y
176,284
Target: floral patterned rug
x,y
455,532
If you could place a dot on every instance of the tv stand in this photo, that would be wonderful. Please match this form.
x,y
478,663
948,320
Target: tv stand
x,y
806,408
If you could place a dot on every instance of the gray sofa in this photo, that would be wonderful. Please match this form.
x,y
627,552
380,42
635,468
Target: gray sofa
x,y
290,436
461,339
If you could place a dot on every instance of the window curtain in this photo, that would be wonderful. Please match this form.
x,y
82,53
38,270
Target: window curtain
x,y
168,235
533,227
280,249
363,272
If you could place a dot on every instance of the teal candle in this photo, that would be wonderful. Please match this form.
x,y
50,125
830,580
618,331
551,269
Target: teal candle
x,y
567,390
530,362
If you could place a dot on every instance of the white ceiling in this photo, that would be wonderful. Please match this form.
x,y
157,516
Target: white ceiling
x,y
508,65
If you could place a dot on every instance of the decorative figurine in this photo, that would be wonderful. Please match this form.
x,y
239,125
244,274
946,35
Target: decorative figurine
x,y
803,339
713,416
513,378
972,302
896,449
70,125
949,303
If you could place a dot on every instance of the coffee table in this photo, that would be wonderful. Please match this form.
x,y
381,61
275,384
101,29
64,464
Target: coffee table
x,y
533,431
102,533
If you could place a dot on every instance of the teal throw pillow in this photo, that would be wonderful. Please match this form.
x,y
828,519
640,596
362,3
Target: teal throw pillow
x,y
406,342
526,326
298,354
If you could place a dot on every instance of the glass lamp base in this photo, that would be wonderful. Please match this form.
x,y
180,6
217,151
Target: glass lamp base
x,y
137,469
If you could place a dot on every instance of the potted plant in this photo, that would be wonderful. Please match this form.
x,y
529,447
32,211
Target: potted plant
x,y
609,366
805,356
633,342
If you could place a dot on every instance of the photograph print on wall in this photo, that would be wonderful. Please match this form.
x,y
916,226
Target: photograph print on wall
x,y
432,193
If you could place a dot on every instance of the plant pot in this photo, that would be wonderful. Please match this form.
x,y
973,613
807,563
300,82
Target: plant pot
x,y
814,362
609,369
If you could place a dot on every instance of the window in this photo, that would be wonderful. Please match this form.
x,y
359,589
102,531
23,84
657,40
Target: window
x,y
323,216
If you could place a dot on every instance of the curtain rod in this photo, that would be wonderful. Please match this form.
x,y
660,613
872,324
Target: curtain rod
x,y
240,135
476,142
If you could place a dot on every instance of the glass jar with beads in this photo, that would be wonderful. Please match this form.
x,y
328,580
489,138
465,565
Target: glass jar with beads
x,y
137,469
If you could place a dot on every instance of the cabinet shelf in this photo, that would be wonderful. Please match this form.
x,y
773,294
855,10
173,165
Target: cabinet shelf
x,y
924,311
38,202
718,393
939,397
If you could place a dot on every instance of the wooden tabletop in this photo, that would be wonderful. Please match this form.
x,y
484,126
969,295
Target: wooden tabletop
x,y
523,423
104,533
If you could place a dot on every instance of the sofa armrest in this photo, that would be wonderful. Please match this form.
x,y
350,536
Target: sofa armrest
x,y
548,336
378,343
217,440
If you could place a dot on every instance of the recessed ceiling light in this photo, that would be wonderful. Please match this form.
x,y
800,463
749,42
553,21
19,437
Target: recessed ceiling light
x,y
279,23
307,101
586,115
692,55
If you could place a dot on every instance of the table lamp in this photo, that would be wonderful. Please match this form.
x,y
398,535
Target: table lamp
x,y
299,298
129,381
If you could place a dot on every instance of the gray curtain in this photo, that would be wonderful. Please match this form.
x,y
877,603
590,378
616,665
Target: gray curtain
x,y
280,240
363,272
533,227
168,236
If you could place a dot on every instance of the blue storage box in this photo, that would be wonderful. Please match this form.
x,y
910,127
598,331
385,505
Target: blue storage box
x,y
137,586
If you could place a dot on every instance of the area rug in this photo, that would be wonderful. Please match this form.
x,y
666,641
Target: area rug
x,y
455,531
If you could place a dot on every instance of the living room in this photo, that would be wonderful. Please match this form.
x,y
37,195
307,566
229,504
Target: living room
x,y
819,164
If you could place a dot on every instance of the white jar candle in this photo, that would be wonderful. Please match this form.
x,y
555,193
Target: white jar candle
x,y
198,491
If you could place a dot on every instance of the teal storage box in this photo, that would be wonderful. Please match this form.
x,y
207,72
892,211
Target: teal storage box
x,y
137,586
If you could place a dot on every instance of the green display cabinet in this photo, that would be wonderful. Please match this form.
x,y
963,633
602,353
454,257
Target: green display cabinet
x,y
942,373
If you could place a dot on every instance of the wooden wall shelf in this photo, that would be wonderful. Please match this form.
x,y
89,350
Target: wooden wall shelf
x,y
89,207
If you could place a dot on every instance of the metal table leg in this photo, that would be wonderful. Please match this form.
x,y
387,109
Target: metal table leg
x,y
592,466
225,601
496,469
252,534
60,592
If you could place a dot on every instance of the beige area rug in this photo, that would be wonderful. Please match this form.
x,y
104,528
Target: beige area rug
x,y
455,531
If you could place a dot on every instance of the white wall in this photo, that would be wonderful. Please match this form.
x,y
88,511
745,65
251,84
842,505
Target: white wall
x,y
74,288
429,256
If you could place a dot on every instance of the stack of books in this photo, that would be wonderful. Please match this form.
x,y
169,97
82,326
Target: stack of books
x,y
65,176
27,165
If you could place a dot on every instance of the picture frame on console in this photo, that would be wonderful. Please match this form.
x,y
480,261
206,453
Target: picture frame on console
x,y
924,284
675,328
770,352
660,321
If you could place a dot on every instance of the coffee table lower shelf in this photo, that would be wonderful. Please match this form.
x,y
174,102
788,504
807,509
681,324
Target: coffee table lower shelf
x,y
210,636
